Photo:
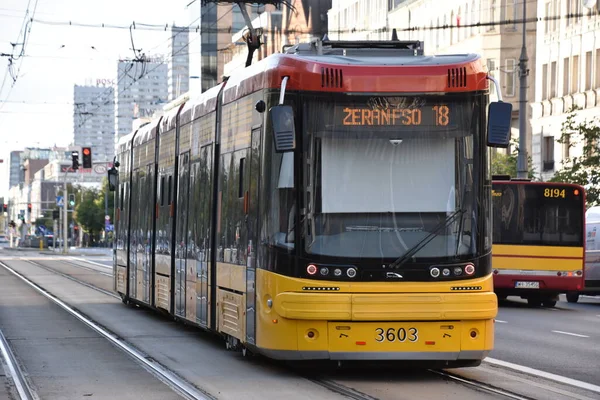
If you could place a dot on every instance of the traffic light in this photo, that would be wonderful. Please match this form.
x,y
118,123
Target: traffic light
x,y
87,157
55,214
5,208
75,158
29,208
71,200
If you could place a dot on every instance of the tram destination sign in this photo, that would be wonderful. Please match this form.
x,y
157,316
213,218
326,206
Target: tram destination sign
x,y
407,112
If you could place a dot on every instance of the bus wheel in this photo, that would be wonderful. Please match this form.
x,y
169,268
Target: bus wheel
x,y
549,303
572,297
534,302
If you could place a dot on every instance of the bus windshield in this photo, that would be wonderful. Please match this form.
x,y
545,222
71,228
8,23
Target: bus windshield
x,y
382,173
537,214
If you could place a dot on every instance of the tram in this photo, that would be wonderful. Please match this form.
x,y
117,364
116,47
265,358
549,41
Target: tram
x,y
331,202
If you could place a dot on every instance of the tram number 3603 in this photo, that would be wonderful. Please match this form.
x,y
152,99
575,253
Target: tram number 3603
x,y
393,335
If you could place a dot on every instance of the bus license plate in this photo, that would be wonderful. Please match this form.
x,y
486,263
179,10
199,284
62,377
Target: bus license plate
x,y
527,285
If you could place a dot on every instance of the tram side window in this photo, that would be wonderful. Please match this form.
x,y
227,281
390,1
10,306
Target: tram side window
x,y
283,200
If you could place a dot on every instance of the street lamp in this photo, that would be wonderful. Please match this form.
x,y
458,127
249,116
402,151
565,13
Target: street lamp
x,y
523,73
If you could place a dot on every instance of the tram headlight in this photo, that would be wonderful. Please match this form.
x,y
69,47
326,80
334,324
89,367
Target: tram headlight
x,y
324,271
457,271
311,269
351,272
337,272
469,269
434,272
446,272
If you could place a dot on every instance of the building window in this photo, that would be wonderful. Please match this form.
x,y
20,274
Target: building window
x,y
575,75
491,64
566,77
511,13
553,80
588,70
548,153
545,82
511,74
492,27
597,64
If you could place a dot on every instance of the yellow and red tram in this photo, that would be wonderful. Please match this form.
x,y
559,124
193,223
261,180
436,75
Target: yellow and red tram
x,y
329,202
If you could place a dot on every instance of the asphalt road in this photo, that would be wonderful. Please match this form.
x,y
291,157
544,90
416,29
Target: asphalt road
x,y
564,340
64,359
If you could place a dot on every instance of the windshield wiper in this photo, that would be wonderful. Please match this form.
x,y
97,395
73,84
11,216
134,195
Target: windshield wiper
x,y
413,250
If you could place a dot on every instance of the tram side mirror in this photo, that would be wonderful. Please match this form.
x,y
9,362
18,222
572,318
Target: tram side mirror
x,y
498,129
282,119
113,179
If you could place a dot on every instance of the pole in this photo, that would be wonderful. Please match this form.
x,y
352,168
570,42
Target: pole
x,y
55,230
522,171
65,214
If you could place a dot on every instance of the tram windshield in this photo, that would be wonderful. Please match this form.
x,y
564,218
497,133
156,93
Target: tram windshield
x,y
383,173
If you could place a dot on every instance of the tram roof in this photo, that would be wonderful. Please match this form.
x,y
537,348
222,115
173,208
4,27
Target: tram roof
x,y
356,73
146,132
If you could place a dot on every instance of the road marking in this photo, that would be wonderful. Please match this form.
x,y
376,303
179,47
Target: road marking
x,y
571,334
542,374
501,322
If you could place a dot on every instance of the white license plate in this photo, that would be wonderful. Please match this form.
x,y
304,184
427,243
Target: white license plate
x,y
527,285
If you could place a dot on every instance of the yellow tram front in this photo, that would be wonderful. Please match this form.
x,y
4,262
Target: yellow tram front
x,y
375,236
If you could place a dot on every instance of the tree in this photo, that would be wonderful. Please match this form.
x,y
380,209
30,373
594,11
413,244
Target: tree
x,y
89,214
506,164
582,168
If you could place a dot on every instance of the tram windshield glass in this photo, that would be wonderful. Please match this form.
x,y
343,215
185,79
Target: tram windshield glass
x,y
383,173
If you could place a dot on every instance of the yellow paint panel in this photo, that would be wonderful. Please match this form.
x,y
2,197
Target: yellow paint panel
x,y
231,316
542,251
319,306
546,258
231,276
275,331
386,306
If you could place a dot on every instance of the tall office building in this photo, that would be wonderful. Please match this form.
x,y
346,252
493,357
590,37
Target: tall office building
x,y
142,88
93,120
179,62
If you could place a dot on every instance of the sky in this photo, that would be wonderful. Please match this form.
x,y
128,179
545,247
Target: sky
x,y
37,110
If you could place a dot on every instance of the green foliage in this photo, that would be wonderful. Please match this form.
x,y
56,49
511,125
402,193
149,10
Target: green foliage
x,y
90,207
582,169
506,164
89,215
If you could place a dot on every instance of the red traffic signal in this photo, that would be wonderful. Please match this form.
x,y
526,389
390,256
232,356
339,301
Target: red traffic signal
x,y
29,207
86,153
5,208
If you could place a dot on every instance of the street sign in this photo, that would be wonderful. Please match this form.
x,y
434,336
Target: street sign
x,y
109,227
60,201
107,217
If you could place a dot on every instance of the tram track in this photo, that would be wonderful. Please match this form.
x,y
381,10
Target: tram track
x,y
157,369
72,278
480,386
22,387
172,380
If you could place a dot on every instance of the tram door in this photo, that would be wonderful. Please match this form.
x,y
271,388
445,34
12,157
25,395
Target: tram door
x,y
251,209
181,236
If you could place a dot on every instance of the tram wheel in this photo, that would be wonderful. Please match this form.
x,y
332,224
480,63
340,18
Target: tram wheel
x,y
572,297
